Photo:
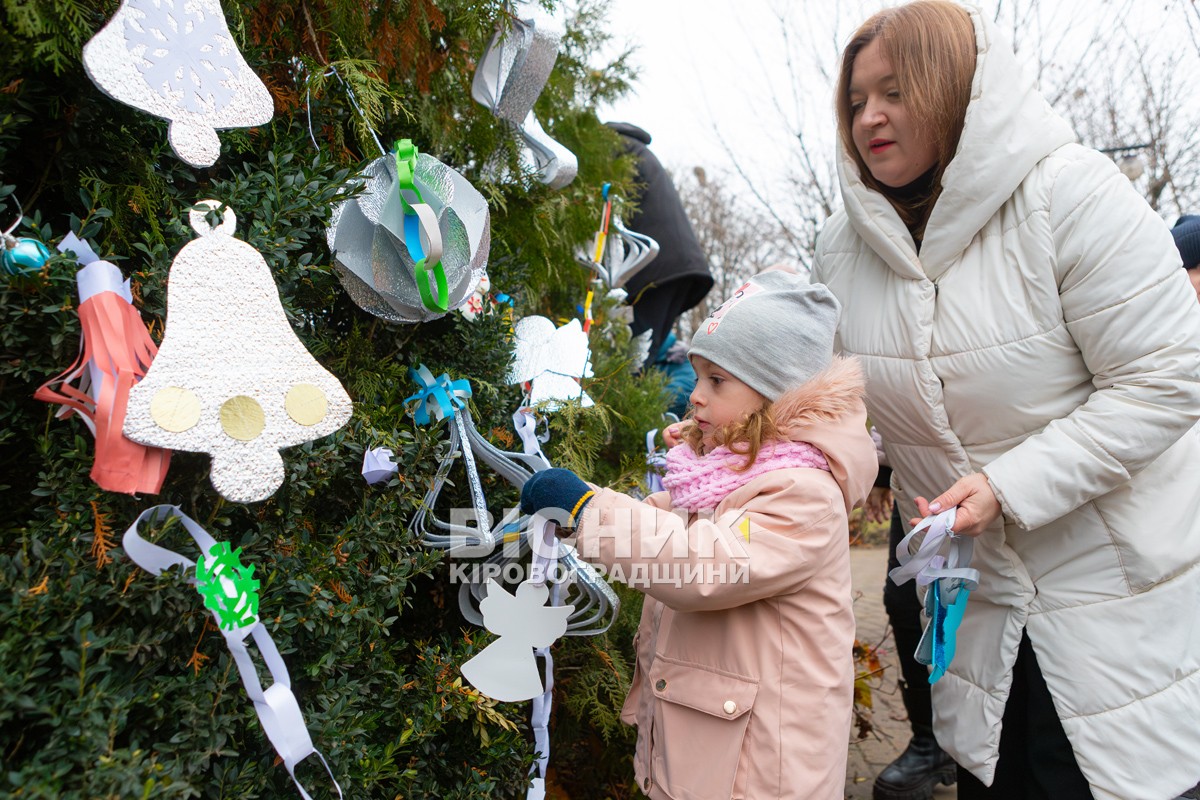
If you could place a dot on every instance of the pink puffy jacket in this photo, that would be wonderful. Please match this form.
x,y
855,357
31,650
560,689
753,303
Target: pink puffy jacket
x,y
744,677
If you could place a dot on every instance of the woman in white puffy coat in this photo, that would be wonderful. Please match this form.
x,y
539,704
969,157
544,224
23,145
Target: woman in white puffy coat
x,y
1032,353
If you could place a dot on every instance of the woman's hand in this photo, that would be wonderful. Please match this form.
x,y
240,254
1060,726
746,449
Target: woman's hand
x,y
977,504
878,507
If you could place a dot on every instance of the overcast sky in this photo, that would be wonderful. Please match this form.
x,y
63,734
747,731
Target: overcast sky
x,y
706,73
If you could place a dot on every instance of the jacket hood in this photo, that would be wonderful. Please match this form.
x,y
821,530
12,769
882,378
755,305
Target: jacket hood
x,y
1009,127
827,411
630,130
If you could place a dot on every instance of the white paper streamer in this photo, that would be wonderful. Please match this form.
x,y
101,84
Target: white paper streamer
x,y
277,709
525,423
941,555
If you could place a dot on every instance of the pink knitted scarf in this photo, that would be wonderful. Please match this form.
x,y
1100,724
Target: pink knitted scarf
x,y
699,483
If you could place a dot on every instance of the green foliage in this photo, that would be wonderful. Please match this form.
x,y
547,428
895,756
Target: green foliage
x,y
117,684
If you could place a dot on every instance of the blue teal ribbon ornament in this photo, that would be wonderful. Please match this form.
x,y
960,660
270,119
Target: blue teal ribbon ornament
x,y
441,398
940,559
436,397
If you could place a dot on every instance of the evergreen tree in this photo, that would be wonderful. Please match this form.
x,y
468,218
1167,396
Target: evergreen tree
x,y
115,683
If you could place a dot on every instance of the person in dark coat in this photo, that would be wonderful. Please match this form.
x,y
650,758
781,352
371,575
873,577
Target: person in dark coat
x,y
678,278
1187,241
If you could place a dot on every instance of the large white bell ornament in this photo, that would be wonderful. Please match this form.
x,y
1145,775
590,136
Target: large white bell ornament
x,y
231,378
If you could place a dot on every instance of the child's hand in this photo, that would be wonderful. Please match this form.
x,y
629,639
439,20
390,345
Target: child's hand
x,y
879,505
558,492
672,434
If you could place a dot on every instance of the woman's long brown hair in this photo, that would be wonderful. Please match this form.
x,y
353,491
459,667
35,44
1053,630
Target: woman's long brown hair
x,y
931,47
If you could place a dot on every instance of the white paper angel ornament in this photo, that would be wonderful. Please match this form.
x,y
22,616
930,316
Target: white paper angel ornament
x,y
551,360
231,378
176,59
506,669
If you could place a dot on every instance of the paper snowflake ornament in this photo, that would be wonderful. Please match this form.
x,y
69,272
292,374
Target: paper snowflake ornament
x,y
176,59
506,669
379,246
552,361
231,378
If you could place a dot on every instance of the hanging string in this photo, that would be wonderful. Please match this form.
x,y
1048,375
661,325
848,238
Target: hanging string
x,y
353,102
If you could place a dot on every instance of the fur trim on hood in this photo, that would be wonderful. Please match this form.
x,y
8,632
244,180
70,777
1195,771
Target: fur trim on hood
x,y
827,411
829,395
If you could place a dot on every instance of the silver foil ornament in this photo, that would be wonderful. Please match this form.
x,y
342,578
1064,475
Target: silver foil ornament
x,y
375,263
510,76
176,59
231,378
616,253
626,253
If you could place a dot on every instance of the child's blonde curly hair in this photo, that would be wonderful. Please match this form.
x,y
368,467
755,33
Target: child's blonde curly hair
x,y
744,437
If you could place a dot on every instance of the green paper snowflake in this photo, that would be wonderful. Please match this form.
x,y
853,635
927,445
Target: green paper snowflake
x,y
228,588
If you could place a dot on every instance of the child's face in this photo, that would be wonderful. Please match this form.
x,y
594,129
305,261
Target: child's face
x,y
719,399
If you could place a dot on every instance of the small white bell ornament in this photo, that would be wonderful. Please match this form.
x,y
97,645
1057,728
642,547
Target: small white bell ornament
x,y
176,59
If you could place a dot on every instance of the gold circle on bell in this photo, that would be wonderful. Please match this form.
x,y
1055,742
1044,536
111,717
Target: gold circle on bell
x,y
242,418
306,404
175,409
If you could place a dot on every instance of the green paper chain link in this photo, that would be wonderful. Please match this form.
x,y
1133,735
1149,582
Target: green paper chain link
x,y
228,587
406,173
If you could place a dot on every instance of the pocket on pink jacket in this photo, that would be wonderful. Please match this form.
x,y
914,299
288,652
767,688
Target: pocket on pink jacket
x,y
700,721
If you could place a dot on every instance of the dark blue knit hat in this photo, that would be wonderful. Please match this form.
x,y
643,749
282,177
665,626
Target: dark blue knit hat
x,y
1187,239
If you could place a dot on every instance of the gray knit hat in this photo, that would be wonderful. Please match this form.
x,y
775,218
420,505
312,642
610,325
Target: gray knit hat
x,y
774,334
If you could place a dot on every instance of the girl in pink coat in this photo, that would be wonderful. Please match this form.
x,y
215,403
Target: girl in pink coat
x,y
744,677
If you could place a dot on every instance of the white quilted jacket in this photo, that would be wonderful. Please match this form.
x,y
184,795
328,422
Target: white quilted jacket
x,y
1047,336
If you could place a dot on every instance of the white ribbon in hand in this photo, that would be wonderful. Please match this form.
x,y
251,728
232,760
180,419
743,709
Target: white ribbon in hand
x,y
941,554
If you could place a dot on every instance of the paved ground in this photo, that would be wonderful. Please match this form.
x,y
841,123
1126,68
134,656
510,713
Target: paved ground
x,y
868,567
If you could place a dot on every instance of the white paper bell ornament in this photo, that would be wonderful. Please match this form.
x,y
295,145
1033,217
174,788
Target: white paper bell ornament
x,y
176,59
231,378
414,244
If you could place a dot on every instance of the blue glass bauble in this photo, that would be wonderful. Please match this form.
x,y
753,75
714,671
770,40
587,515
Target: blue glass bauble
x,y
25,257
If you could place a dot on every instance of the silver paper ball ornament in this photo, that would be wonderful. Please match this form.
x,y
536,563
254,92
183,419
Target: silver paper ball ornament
x,y
375,261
